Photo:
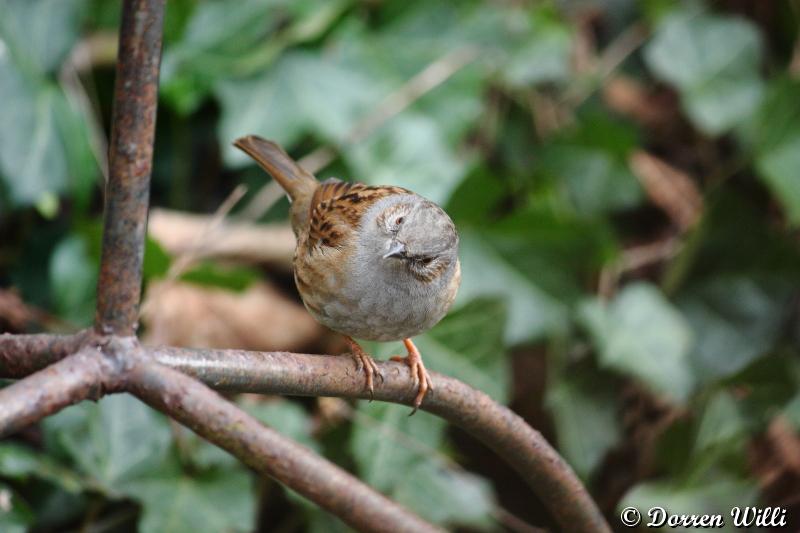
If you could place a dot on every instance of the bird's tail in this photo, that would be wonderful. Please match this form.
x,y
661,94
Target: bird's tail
x,y
297,182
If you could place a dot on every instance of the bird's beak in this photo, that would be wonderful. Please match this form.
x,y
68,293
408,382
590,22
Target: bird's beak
x,y
397,249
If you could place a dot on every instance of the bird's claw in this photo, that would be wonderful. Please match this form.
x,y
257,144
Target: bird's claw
x,y
419,374
366,364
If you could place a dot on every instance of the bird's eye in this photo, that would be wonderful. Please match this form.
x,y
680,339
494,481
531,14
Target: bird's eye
x,y
425,261
399,220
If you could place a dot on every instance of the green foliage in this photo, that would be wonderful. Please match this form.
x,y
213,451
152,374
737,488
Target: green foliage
x,y
777,142
403,456
468,344
734,320
44,146
527,146
73,279
220,500
398,455
642,334
544,56
713,61
123,449
112,442
585,414
329,98
234,279
19,516
711,496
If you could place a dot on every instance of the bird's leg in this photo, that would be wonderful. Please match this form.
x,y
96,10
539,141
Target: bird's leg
x,y
418,372
364,362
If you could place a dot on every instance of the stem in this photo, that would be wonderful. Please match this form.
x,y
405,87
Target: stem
x,y
130,161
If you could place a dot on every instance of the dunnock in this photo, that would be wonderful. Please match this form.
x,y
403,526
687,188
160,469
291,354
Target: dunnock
x,y
372,262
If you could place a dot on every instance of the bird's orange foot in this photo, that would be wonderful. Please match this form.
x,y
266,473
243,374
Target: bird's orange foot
x,y
366,363
418,372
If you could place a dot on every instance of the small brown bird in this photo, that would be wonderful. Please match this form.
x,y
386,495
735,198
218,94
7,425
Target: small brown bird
x,y
372,262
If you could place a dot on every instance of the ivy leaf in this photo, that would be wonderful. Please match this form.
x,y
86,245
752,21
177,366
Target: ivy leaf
x,y
585,414
286,417
112,442
447,496
713,61
533,313
218,500
775,132
716,494
15,515
544,56
641,334
398,455
44,146
40,33
32,158
124,449
209,274
468,344
734,319
222,44
22,463
593,181
722,427
73,278
411,151
535,261
375,445
300,93
777,167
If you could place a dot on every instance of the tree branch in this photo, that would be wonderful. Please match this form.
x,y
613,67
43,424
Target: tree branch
x,y
130,160
495,425
227,426
110,364
319,375
86,374
22,355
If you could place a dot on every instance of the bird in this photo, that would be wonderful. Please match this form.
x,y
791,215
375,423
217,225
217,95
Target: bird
x,y
371,262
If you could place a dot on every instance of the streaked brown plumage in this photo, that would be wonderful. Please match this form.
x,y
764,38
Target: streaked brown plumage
x,y
371,262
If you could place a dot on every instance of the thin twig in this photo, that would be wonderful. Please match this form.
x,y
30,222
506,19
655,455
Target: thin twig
x,y
186,259
635,258
78,97
625,44
196,248
422,83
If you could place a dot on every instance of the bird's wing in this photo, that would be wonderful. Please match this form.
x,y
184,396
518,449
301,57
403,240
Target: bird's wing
x,y
337,207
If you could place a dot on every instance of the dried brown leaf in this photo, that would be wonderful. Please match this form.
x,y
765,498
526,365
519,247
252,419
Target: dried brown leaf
x,y
184,233
669,188
259,318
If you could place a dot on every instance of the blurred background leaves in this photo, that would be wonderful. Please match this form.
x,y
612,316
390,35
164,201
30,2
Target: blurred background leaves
x,y
624,178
